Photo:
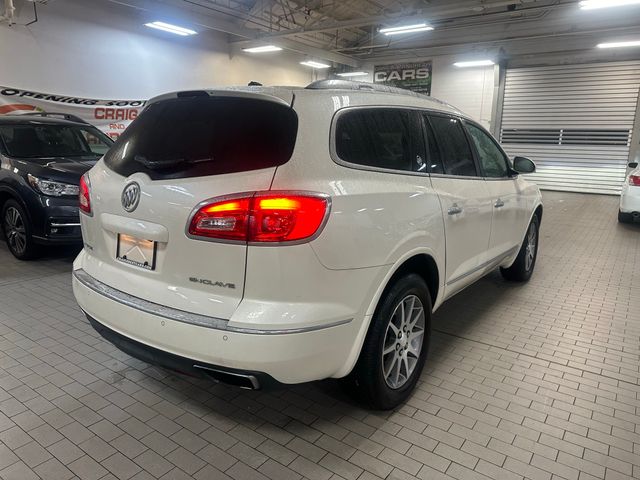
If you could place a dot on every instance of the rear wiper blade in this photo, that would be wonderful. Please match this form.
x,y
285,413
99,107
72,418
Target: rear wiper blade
x,y
174,162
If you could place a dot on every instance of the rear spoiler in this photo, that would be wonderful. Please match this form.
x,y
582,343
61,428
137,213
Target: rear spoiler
x,y
272,94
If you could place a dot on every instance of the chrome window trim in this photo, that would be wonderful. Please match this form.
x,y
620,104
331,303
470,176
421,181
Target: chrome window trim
x,y
186,317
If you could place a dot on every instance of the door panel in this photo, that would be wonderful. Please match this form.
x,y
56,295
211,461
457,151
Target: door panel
x,y
464,200
508,211
467,232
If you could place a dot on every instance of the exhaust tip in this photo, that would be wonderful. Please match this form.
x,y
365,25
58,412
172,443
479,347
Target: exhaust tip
x,y
242,380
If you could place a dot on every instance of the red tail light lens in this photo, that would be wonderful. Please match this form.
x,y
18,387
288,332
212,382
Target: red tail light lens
x,y
85,194
261,217
634,180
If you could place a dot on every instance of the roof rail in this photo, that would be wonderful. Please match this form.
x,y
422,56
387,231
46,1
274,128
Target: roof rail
x,y
371,87
364,86
64,116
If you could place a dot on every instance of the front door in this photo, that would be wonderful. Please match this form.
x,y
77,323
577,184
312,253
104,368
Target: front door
x,y
509,207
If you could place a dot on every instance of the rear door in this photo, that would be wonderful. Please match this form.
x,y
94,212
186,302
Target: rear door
x,y
179,153
464,199
509,205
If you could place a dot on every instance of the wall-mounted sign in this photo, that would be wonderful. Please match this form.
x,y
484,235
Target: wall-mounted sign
x,y
412,76
110,116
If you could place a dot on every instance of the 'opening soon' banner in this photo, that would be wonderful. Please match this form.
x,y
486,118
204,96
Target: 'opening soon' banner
x,y
110,116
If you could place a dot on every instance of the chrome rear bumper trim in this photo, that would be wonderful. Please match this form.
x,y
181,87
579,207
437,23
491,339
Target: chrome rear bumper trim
x,y
180,315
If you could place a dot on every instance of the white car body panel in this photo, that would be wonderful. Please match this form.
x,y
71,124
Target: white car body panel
x,y
630,195
298,312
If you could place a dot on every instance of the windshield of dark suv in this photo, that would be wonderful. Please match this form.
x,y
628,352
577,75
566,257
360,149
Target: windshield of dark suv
x,y
42,140
201,136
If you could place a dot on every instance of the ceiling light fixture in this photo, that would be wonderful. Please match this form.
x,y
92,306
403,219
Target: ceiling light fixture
x,y
418,27
594,4
352,74
263,49
635,43
475,63
167,27
312,64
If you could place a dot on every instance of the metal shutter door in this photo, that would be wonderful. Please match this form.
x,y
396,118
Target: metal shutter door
x,y
574,121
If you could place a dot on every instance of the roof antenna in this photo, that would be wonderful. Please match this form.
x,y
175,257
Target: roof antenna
x,y
254,84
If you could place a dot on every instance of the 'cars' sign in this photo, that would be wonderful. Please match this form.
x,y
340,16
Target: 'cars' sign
x,y
412,76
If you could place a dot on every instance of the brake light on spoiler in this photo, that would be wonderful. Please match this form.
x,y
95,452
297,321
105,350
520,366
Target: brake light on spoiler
x,y
261,217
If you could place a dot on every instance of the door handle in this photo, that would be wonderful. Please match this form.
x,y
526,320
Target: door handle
x,y
454,209
499,203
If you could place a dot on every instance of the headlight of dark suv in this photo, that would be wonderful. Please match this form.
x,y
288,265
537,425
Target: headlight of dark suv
x,y
53,189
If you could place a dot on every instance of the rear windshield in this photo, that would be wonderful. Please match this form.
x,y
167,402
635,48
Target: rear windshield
x,y
197,136
34,140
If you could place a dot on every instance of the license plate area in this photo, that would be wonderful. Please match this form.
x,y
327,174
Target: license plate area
x,y
136,251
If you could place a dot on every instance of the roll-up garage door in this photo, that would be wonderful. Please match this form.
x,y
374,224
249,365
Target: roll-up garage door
x,y
574,121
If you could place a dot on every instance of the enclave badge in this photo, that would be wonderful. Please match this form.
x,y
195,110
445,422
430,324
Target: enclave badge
x,y
130,197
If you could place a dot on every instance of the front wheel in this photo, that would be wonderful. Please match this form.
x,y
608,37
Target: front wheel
x,y
525,262
396,345
17,231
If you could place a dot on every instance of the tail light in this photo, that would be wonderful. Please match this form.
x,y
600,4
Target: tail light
x,y
261,217
85,194
634,180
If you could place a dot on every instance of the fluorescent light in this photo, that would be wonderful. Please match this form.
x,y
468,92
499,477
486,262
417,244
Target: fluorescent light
x,y
475,63
265,48
167,27
635,43
418,27
352,74
311,63
594,4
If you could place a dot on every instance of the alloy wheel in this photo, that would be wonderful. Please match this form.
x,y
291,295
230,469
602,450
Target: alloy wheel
x,y
530,253
15,230
403,341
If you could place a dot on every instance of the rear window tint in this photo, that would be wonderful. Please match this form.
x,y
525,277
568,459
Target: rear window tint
x,y
196,136
380,138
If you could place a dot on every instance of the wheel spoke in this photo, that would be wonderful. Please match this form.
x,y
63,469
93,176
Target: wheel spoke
x,y
389,349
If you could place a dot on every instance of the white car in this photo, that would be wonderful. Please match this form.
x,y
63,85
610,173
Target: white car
x,y
630,196
283,235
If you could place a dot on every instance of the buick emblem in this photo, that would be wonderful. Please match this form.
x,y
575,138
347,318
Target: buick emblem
x,y
130,197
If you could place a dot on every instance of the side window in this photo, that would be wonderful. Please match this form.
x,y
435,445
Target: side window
x,y
381,138
492,159
454,148
434,156
96,144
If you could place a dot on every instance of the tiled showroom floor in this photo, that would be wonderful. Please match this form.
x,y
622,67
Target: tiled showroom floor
x,y
538,381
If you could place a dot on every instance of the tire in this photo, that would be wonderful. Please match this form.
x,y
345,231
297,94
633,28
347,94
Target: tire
x,y
525,262
17,231
376,380
624,217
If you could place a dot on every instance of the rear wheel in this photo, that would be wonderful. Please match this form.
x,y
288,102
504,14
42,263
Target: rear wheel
x,y
17,231
525,262
624,217
396,345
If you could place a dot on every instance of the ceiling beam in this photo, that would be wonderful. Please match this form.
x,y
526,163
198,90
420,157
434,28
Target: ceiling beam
x,y
199,18
433,13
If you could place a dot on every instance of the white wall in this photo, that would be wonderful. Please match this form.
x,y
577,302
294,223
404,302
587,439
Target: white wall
x,y
469,89
100,50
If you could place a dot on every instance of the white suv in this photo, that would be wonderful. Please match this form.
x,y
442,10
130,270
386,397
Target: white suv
x,y
294,234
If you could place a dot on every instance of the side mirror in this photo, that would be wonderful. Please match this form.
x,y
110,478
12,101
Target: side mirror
x,y
633,165
523,165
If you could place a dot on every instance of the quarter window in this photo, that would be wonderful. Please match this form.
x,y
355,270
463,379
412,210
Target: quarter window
x,y
380,138
455,152
493,161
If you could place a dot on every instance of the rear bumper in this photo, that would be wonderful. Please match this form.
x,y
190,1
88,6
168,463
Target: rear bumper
x,y
188,366
630,200
140,327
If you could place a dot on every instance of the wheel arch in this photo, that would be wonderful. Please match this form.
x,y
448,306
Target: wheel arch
x,y
420,262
